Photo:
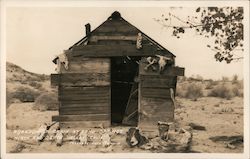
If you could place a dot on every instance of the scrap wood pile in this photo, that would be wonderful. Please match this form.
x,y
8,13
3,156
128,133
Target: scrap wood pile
x,y
82,137
168,140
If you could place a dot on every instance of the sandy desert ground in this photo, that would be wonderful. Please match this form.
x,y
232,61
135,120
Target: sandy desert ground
x,y
208,111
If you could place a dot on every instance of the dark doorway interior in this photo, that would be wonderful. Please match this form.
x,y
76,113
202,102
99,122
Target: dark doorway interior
x,y
124,72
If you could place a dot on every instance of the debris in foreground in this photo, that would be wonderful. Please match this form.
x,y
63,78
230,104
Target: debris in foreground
x,y
197,127
59,137
18,148
83,137
163,128
230,142
167,141
43,131
134,138
105,139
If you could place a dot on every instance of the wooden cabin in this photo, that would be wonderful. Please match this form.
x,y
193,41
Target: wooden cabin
x,y
113,76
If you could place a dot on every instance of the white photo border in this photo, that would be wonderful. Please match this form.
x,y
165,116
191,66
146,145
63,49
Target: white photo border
x,y
67,3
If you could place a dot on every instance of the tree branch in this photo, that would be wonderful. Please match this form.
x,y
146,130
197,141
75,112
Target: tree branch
x,y
192,25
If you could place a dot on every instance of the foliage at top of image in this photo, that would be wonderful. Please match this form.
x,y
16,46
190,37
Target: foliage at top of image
x,y
222,24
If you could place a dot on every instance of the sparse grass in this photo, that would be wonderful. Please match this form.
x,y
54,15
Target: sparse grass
x,y
46,101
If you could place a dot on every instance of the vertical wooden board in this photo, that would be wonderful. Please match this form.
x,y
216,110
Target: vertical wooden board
x,y
54,79
153,110
87,65
155,103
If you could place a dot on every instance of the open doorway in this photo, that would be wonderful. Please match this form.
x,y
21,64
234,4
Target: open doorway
x,y
124,84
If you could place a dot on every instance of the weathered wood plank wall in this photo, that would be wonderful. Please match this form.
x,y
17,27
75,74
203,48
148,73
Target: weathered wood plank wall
x,y
155,96
84,93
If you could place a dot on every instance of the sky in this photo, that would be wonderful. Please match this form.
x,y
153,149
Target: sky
x,y
35,35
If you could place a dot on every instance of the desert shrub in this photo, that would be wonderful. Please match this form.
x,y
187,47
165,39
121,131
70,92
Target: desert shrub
x,y
22,82
181,90
222,91
47,101
214,83
199,78
32,78
209,85
235,79
24,94
195,78
225,79
36,85
237,91
239,84
44,77
10,99
181,78
194,91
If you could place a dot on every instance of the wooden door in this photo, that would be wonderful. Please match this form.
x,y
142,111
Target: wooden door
x,y
156,95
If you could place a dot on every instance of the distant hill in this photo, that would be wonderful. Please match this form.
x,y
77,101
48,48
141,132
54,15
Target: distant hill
x,y
25,86
15,73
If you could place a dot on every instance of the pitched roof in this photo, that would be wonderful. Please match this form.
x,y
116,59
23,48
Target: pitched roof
x,y
116,37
